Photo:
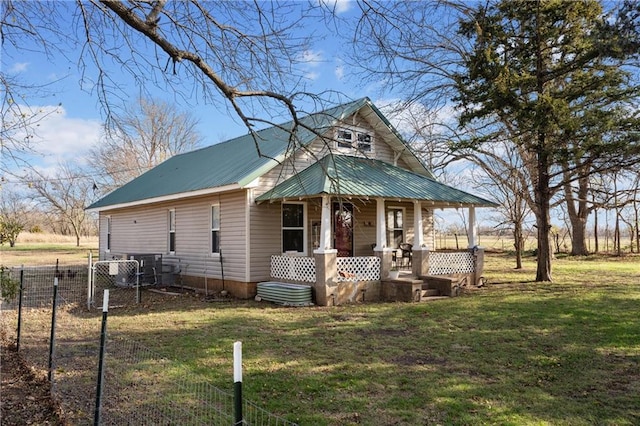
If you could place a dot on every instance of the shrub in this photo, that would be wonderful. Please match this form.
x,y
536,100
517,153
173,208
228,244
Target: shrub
x,y
9,287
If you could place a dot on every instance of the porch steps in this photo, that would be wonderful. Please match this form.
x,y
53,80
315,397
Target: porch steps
x,y
429,292
285,293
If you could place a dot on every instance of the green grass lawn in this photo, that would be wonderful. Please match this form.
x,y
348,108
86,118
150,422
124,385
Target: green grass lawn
x,y
514,352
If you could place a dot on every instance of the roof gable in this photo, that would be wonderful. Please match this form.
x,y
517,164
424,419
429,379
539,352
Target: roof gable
x,y
237,162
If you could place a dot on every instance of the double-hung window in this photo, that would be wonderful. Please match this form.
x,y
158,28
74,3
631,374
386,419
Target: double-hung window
x,y
172,231
354,141
215,228
395,226
293,227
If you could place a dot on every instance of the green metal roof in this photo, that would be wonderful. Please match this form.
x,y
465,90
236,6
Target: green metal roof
x,y
236,161
362,177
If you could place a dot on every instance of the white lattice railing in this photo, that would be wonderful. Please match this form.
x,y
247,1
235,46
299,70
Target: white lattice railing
x,y
294,268
358,268
443,263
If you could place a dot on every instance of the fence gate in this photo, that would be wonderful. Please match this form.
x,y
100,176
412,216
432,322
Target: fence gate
x,y
121,277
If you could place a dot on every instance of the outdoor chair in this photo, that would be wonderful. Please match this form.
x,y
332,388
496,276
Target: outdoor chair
x,y
406,249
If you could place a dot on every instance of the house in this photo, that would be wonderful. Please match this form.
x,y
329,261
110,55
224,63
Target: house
x,y
328,205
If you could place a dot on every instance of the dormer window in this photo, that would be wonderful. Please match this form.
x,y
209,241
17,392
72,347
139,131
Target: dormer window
x,y
345,139
354,141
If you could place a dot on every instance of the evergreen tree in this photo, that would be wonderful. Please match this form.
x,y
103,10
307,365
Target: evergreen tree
x,y
557,72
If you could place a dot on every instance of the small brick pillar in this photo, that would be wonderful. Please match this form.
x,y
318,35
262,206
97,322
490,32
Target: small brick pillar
x,y
420,261
478,264
326,276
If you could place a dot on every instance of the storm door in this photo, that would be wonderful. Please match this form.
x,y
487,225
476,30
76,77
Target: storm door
x,y
343,229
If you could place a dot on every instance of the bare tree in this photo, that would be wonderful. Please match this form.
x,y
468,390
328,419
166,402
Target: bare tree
x,y
67,193
141,137
243,57
509,66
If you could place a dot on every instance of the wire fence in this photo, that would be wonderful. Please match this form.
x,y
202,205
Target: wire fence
x,y
61,340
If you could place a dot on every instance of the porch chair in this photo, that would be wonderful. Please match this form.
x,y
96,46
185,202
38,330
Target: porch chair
x,y
406,254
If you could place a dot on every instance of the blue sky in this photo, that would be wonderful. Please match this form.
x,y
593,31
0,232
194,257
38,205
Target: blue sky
x,y
76,118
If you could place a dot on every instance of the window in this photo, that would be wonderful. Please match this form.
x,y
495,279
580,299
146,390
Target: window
x,y
108,233
293,227
395,226
345,139
352,141
215,229
172,231
364,142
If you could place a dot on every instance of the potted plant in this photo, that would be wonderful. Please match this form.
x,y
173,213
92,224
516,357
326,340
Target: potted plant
x,y
394,272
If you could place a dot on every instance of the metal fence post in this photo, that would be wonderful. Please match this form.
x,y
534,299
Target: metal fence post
x,y
103,344
138,283
237,383
89,281
52,339
20,309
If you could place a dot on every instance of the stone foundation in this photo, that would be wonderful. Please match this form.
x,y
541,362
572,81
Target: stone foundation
x,y
241,290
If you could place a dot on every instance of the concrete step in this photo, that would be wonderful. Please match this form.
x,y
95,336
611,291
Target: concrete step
x,y
433,298
429,292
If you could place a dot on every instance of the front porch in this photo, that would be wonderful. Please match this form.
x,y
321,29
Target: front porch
x,y
338,280
354,214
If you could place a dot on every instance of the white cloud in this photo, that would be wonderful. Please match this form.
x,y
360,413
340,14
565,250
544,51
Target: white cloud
x,y
19,67
338,6
58,137
311,57
312,75
339,72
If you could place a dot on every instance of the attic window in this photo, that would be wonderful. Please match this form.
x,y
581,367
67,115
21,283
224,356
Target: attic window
x,y
354,141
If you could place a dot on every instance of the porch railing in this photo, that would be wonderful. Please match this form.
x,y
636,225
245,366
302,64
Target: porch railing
x,y
443,263
294,268
358,268
366,268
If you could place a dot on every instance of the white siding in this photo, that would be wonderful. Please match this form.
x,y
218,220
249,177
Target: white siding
x,y
145,230
266,237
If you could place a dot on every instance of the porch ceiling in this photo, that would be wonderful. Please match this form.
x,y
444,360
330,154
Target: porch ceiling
x,y
362,177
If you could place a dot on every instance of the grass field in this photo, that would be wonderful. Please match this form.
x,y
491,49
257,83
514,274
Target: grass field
x,y
514,352
45,249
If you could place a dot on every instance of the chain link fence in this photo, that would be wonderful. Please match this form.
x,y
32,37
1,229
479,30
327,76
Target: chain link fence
x,y
139,386
120,277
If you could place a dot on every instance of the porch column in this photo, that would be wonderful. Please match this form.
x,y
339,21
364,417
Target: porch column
x,y
420,252
381,225
473,229
418,237
325,225
325,258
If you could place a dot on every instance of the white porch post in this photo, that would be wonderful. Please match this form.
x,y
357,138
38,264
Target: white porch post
x,y
381,225
418,238
325,226
473,229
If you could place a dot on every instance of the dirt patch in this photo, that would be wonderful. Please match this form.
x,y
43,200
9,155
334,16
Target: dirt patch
x,y
25,398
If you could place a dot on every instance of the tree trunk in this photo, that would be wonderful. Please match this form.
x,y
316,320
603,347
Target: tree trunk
x,y
518,243
578,212
543,219
595,230
636,208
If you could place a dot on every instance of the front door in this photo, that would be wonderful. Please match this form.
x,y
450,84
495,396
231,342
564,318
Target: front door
x,y
343,229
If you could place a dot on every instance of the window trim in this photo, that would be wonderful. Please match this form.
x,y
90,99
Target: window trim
x,y
109,225
214,229
303,228
354,146
171,228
